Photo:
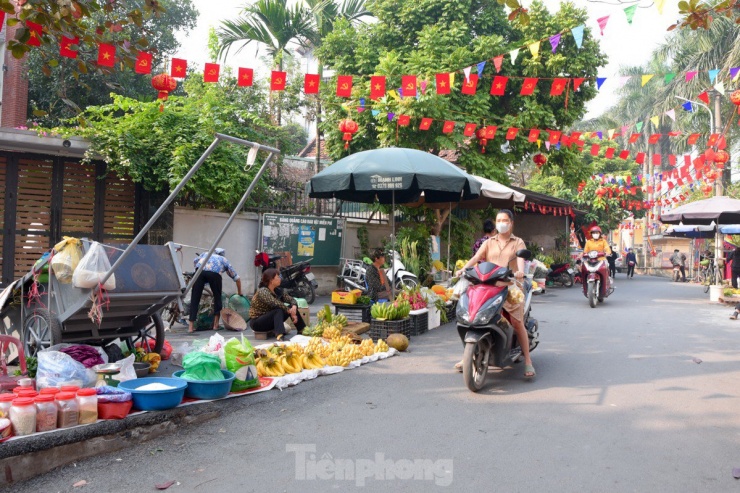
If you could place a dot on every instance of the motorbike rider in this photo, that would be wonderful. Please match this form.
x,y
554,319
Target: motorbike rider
x,y
678,259
501,250
597,242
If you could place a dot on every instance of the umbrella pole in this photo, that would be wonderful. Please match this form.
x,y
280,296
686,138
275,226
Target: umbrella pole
x,y
393,245
449,235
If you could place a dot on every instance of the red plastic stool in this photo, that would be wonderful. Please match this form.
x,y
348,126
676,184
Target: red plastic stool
x,y
9,382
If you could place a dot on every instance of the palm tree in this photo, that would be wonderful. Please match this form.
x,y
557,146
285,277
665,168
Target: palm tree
x,y
271,23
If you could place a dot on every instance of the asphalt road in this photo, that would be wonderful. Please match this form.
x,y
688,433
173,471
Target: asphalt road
x,y
619,404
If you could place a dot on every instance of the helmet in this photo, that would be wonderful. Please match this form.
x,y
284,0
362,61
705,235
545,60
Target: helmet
x,y
219,251
594,229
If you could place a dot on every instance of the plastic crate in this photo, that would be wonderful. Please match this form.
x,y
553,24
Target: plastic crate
x,y
381,329
419,322
354,313
345,297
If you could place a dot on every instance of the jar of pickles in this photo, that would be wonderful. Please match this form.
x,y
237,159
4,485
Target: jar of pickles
x,y
5,403
46,413
67,410
87,401
23,416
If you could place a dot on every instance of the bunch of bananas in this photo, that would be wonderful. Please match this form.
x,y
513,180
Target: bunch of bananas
x,y
397,310
338,359
332,332
352,351
270,367
367,347
310,360
325,315
381,346
291,361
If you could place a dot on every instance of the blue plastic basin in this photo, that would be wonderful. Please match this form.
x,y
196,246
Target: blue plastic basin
x,y
155,400
207,389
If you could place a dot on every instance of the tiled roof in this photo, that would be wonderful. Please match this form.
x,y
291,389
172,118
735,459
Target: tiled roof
x,y
310,150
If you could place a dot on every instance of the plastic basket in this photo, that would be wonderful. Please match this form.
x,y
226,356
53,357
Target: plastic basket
x,y
419,322
114,410
354,313
381,329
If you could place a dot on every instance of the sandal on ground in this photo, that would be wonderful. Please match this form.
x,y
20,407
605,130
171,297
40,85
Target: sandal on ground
x,y
529,371
458,366
733,316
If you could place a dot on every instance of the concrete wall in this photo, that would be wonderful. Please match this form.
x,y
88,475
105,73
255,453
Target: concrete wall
x,y
540,229
200,227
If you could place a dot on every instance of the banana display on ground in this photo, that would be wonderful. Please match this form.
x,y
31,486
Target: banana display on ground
x,y
279,360
397,310
326,320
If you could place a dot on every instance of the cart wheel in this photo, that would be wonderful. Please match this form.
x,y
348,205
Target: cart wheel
x,y
152,331
40,331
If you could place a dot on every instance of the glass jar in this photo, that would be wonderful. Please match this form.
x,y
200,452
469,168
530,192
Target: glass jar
x,y
87,401
46,413
67,410
5,403
23,416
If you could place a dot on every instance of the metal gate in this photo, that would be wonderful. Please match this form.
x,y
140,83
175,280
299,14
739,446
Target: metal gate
x,y
47,197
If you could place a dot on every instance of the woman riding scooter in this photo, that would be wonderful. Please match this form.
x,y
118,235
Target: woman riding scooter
x,y
596,243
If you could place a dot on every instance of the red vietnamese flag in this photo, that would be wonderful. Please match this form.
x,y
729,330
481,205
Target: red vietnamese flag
x,y
344,86
443,83
211,72
470,85
577,81
640,158
408,86
35,30
528,86
179,68
377,86
498,86
687,159
404,120
574,136
65,47
624,155
657,158
106,55
448,127
246,77
558,86
425,123
634,137
511,133
712,141
469,129
554,136
671,159
534,134
653,139
143,63
609,153
692,139
595,149
491,132
311,84
277,81
565,140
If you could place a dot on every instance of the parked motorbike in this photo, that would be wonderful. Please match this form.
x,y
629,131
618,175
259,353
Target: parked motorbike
x,y
595,275
353,274
676,273
297,279
483,326
561,274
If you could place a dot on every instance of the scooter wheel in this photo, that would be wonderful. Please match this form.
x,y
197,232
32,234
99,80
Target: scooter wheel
x,y
475,364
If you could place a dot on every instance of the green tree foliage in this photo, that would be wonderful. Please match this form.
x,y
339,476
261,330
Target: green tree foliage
x,y
158,148
433,36
59,87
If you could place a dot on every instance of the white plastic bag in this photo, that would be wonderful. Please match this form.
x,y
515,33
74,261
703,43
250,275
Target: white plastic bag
x,y
179,352
128,372
216,346
92,268
56,368
460,288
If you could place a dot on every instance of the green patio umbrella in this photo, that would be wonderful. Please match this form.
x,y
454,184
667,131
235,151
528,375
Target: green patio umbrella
x,y
393,175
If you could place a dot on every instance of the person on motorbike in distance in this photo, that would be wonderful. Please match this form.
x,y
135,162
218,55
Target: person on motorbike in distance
x,y
597,242
501,250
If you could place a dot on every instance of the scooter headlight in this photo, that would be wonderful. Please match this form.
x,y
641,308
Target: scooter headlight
x,y
488,310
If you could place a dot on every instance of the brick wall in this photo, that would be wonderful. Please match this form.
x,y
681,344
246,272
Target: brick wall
x,y
14,109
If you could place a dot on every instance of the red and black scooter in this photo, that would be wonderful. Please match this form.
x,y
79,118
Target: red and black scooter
x,y
595,276
483,325
561,274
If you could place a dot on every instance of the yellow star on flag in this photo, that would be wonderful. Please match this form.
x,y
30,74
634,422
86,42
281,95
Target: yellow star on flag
x,y
106,55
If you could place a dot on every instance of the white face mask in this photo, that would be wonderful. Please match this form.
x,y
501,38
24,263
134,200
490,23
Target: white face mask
x,y
595,236
502,227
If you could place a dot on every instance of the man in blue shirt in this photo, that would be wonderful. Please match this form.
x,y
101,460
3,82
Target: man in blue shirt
x,y
212,275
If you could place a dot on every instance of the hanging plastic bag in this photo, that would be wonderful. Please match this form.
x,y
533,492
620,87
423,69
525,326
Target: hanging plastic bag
x,y
240,360
67,256
92,268
460,288
202,367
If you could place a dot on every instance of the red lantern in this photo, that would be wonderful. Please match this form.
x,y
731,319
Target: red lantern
x,y
165,85
711,174
482,140
539,159
735,98
721,157
348,127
